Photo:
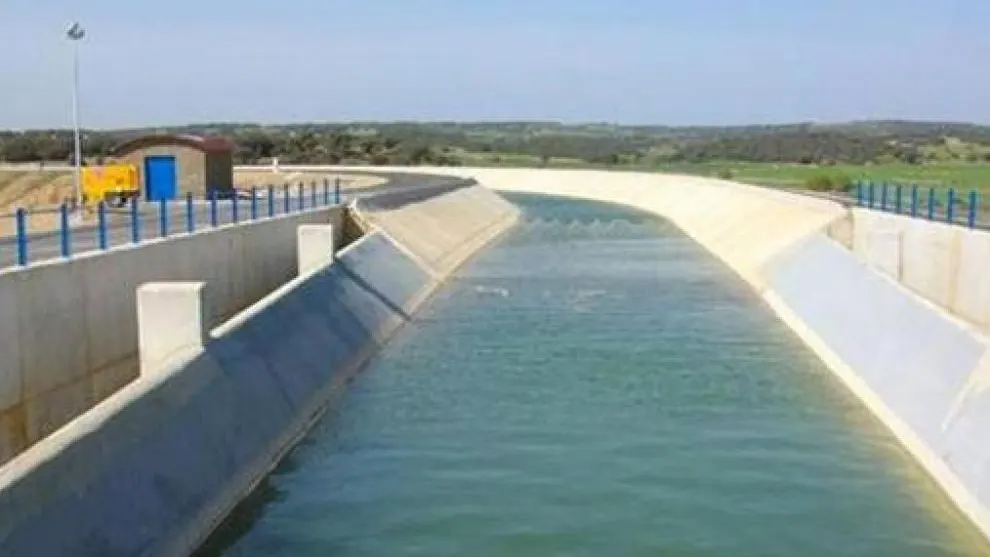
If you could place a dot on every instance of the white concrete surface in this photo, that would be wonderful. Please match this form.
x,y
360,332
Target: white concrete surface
x,y
84,308
445,235
946,265
153,469
315,247
173,318
921,369
901,317
745,226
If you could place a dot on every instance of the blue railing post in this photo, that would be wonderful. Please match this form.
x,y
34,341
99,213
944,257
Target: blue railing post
x,y
914,200
872,195
883,197
859,193
254,203
899,199
234,216
336,191
973,201
213,208
302,196
101,224
326,191
163,217
135,221
285,197
64,214
950,209
271,201
312,194
22,239
931,203
190,214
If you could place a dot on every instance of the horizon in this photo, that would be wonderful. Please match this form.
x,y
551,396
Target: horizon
x,y
585,61
508,121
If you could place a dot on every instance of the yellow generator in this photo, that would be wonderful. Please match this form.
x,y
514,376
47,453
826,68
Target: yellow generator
x,y
113,184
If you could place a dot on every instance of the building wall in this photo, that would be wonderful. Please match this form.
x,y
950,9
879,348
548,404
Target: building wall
x,y
220,171
190,166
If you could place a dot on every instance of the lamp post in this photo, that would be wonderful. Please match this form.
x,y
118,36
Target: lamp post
x,y
75,33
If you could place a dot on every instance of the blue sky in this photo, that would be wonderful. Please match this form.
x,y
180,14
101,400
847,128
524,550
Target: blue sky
x,y
628,61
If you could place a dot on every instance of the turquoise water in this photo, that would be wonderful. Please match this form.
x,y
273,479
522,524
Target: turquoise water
x,y
596,384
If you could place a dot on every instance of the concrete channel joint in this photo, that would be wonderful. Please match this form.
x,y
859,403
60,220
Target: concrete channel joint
x,y
315,247
174,318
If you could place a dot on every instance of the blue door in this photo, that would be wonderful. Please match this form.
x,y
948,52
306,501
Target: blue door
x,y
159,178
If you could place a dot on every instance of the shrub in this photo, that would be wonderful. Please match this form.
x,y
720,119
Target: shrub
x,y
829,182
726,174
819,183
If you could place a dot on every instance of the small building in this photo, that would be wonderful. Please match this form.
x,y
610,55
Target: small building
x,y
170,166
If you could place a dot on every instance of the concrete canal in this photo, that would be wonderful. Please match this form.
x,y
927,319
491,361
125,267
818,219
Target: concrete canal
x,y
597,384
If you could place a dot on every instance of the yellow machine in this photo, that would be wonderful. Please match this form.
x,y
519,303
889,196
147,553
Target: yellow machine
x,y
114,184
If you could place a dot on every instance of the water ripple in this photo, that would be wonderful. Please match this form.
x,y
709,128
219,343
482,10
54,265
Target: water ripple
x,y
597,385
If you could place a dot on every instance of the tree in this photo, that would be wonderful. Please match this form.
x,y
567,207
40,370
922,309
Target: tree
x,y
421,155
256,146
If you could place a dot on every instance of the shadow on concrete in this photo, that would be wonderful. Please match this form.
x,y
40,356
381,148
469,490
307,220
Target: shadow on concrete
x,y
370,289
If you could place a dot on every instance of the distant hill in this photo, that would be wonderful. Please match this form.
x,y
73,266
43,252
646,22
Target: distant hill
x,y
881,141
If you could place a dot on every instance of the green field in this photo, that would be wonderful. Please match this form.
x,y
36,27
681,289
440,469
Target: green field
x,y
960,175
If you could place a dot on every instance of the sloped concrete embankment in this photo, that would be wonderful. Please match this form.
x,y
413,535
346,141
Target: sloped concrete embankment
x,y
68,328
153,469
896,307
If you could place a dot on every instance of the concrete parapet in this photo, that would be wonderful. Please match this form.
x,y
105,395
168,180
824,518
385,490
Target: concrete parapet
x,y
944,264
85,308
173,319
315,247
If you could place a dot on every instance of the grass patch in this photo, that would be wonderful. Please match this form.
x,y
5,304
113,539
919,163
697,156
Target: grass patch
x,y
941,176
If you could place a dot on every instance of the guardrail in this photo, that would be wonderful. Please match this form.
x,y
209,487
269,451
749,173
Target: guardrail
x,y
143,221
949,206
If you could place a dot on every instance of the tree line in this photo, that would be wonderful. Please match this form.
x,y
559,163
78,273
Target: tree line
x,y
449,143
253,146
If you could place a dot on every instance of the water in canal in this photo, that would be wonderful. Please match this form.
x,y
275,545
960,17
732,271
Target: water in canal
x,y
596,384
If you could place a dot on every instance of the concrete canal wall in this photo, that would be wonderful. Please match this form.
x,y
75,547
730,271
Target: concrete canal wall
x,y
898,308
68,333
153,469
947,265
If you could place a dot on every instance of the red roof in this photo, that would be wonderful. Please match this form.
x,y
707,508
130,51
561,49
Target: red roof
x,y
208,144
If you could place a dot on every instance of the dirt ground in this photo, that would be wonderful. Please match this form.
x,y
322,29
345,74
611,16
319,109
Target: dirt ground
x,y
31,189
41,192
262,178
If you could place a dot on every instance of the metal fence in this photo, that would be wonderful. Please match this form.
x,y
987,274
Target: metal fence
x,y
945,205
142,221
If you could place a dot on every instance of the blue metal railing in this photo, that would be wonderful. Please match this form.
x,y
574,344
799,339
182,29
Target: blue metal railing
x,y
98,234
102,224
950,207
